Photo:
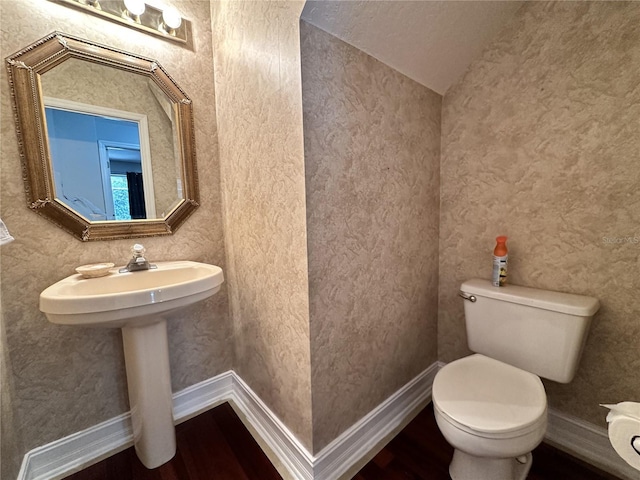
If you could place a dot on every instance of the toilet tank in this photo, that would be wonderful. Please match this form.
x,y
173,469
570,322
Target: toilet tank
x,y
540,331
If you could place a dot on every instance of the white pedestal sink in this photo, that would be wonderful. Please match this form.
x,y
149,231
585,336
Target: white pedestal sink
x,y
136,302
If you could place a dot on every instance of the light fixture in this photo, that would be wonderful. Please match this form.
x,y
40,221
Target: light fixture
x,y
133,9
171,20
167,23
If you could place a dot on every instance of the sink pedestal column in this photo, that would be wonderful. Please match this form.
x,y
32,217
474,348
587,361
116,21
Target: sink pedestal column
x,y
146,352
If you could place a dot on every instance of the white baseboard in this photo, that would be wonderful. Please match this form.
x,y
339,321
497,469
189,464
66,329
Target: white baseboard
x,y
79,450
198,398
73,453
352,445
282,442
587,442
345,451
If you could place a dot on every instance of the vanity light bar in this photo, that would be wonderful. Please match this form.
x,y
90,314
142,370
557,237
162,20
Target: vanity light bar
x,y
165,24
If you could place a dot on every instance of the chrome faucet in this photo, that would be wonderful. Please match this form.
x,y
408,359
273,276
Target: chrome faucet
x,y
137,262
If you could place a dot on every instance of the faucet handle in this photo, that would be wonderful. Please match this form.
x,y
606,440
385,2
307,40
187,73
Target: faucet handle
x,y
138,250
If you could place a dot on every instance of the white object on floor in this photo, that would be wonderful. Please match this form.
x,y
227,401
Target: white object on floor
x,y
624,431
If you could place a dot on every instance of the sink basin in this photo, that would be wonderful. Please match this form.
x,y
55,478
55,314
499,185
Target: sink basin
x,y
131,298
137,302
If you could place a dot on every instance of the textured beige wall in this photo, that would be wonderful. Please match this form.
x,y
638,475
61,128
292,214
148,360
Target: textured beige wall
x,y
9,455
65,379
372,149
258,95
540,142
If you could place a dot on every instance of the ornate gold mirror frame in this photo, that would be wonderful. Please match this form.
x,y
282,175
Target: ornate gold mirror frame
x,y
25,69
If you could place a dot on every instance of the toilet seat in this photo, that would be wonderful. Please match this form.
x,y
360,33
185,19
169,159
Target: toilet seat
x,y
487,398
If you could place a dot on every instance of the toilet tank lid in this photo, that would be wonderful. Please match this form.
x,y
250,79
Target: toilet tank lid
x,y
569,303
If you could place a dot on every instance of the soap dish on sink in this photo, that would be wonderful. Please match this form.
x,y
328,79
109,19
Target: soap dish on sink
x,y
95,270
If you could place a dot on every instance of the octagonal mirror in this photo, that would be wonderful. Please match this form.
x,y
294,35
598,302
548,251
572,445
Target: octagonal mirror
x,y
106,139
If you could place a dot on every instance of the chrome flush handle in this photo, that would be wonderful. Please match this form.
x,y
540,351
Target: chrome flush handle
x,y
466,296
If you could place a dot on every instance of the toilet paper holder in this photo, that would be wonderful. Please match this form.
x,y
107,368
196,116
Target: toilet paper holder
x,y
624,426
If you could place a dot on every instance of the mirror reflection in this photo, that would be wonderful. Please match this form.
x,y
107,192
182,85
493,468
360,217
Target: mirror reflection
x,y
97,165
112,142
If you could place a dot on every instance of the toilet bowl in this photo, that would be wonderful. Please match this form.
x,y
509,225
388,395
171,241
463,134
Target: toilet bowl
x,y
493,414
491,406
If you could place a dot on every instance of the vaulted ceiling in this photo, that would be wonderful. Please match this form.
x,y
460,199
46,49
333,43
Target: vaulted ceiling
x,y
432,42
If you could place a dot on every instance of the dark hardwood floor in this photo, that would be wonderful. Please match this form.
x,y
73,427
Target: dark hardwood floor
x,y
216,446
420,452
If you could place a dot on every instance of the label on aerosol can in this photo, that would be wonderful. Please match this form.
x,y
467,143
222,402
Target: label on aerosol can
x,y
499,270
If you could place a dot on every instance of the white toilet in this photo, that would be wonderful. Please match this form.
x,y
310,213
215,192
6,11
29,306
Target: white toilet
x,y
491,406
